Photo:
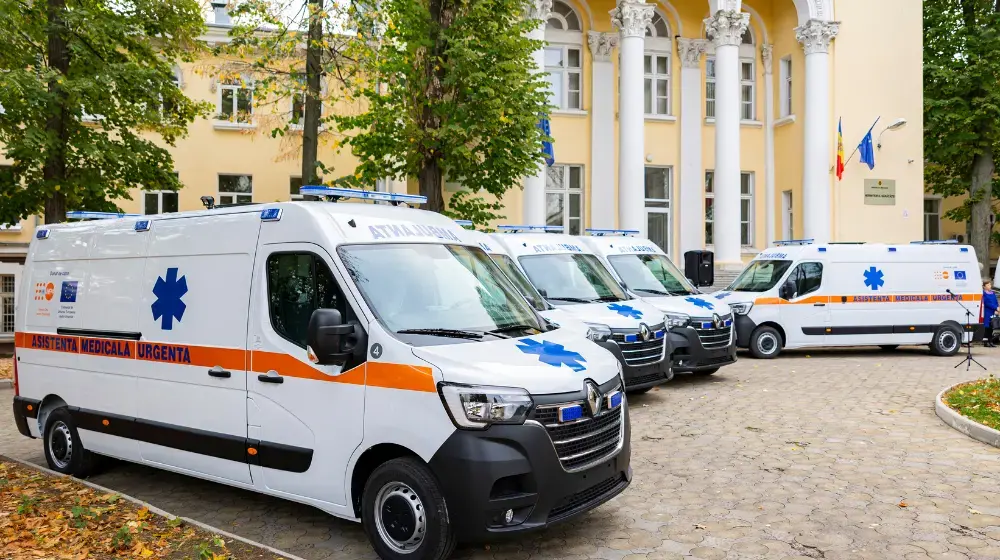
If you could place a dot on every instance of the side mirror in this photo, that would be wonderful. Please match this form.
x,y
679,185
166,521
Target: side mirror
x,y
543,293
787,290
331,340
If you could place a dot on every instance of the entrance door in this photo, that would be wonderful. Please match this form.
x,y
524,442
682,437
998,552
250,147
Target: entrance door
x,y
806,316
658,187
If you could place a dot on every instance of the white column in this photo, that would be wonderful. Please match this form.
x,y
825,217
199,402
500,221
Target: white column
x,y
815,37
726,31
602,132
631,18
691,207
766,55
534,185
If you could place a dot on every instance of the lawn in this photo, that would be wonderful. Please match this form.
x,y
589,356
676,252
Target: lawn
x,y
977,400
44,516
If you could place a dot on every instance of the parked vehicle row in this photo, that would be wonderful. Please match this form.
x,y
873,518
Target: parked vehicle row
x,y
386,365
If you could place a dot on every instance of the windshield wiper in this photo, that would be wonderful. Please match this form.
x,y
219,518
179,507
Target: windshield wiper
x,y
603,299
510,328
572,299
448,333
657,292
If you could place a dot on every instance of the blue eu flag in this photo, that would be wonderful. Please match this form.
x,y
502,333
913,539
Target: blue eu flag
x,y
867,150
550,155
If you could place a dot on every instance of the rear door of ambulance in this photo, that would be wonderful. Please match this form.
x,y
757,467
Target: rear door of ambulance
x,y
191,362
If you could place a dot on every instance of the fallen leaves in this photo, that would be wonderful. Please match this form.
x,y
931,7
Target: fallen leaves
x,y
903,504
42,516
6,368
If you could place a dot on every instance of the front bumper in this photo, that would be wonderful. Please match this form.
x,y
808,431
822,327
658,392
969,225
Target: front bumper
x,y
483,474
690,355
23,410
744,328
645,376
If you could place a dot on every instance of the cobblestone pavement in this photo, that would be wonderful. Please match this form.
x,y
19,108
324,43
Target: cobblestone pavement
x,y
832,455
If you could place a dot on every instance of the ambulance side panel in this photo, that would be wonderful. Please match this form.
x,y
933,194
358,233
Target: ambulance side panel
x,y
191,362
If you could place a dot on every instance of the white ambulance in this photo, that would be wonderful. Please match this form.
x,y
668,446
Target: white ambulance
x,y
572,278
801,294
359,358
701,327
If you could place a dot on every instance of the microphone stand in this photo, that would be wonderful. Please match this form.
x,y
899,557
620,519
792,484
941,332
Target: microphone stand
x,y
969,360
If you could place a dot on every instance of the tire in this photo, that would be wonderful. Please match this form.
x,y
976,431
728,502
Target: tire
x,y
947,341
64,451
765,342
404,512
706,372
888,347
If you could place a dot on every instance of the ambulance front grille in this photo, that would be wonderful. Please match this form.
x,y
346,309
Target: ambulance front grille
x,y
710,336
641,352
584,442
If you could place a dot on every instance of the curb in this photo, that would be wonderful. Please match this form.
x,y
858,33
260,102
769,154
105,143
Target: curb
x,y
6,384
156,510
974,430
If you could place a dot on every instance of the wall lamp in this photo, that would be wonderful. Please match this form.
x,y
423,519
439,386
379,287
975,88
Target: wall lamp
x,y
898,124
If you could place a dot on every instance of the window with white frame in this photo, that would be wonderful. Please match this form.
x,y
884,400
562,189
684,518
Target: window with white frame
x,y
235,101
656,67
564,198
6,303
788,222
298,114
748,110
746,207
294,190
235,189
658,186
159,202
932,219
785,77
564,57
748,79
710,87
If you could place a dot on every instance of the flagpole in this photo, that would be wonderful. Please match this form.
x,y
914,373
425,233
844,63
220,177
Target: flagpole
x,y
862,138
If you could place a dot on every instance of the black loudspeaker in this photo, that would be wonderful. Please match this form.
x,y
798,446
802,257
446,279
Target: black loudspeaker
x,y
699,267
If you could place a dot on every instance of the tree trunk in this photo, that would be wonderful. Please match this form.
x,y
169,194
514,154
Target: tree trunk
x,y
430,186
981,194
54,168
310,126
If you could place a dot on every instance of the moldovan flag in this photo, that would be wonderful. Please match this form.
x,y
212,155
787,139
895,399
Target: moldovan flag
x,y
840,149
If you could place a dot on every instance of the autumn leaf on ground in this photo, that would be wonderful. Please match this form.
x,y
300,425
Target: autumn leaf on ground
x,y
903,504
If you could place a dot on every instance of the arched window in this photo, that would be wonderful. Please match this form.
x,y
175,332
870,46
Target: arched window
x,y
657,60
564,57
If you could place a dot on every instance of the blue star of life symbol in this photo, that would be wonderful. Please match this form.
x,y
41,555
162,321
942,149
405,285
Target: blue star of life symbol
x,y
168,305
552,354
722,295
700,302
873,278
626,310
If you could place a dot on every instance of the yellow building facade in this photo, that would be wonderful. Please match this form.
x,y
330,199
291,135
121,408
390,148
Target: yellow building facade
x,y
701,123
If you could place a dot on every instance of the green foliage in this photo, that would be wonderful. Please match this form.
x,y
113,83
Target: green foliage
x,y
466,206
449,91
961,100
120,73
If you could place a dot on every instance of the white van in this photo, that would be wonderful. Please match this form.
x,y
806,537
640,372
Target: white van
x,y
800,294
701,327
572,278
359,358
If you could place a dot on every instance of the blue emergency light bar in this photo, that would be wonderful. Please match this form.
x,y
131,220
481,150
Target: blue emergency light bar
x,y
603,232
337,193
86,215
464,223
793,242
514,229
941,242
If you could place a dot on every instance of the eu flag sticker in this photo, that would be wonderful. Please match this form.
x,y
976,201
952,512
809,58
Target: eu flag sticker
x,y
68,294
959,275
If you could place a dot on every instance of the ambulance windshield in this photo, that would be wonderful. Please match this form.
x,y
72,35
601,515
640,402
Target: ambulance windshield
x,y
529,292
760,276
439,290
572,278
651,275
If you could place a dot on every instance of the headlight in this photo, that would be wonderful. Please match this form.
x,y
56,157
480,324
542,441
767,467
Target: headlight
x,y
598,332
741,308
676,320
478,406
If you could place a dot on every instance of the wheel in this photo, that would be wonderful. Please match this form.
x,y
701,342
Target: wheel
x,y
888,347
710,371
64,451
947,341
404,513
765,342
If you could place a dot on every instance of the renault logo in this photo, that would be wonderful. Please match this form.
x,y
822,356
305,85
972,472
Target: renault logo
x,y
593,398
717,320
644,331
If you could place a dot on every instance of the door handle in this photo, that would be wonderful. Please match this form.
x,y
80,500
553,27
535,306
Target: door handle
x,y
270,377
217,371
819,305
